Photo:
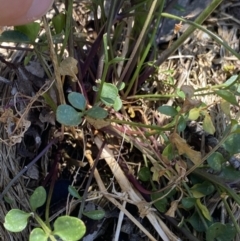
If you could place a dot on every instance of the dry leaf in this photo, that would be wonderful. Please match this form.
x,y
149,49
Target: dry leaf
x,y
188,91
97,123
171,211
69,67
7,113
184,148
190,104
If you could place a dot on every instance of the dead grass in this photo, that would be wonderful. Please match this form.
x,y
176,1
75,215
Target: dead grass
x,y
199,63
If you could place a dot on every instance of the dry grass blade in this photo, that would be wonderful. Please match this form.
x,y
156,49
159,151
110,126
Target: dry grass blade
x,y
136,198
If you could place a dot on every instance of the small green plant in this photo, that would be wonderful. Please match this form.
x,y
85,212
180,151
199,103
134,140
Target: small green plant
x,y
68,115
66,227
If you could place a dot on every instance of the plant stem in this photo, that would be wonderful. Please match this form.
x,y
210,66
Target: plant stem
x,y
142,125
136,47
44,227
68,29
149,44
54,59
198,26
175,45
236,225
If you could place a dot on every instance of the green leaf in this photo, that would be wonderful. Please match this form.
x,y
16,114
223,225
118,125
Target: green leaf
x,y
144,174
180,93
225,107
68,116
38,234
208,125
229,174
169,151
31,30
16,220
221,232
181,124
167,110
227,95
109,94
95,214
202,189
77,100
194,114
231,81
72,190
120,86
204,210
215,161
160,205
59,22
97,112
69,228
232,144
194,220
38,198
188,202
117,104
14,36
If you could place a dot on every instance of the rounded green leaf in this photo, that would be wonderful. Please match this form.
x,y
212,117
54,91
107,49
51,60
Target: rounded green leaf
x,y
69,228
38,198
38,234
208,125
97,112
194,221
72,190
167,110
228,96
161,204
215,161
77,100
14,36
121,86
59,22
31,30
117,104
109,94
202,189
68,116
182,123
188,202
232,144
16,220
194,114
95,214
220,232
144,174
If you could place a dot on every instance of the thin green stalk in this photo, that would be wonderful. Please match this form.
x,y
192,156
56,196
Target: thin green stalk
x,y
44,227
175,45
141,36
159,96
236,225
68,26
147,49
198,26
106,66
196,207
152,127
